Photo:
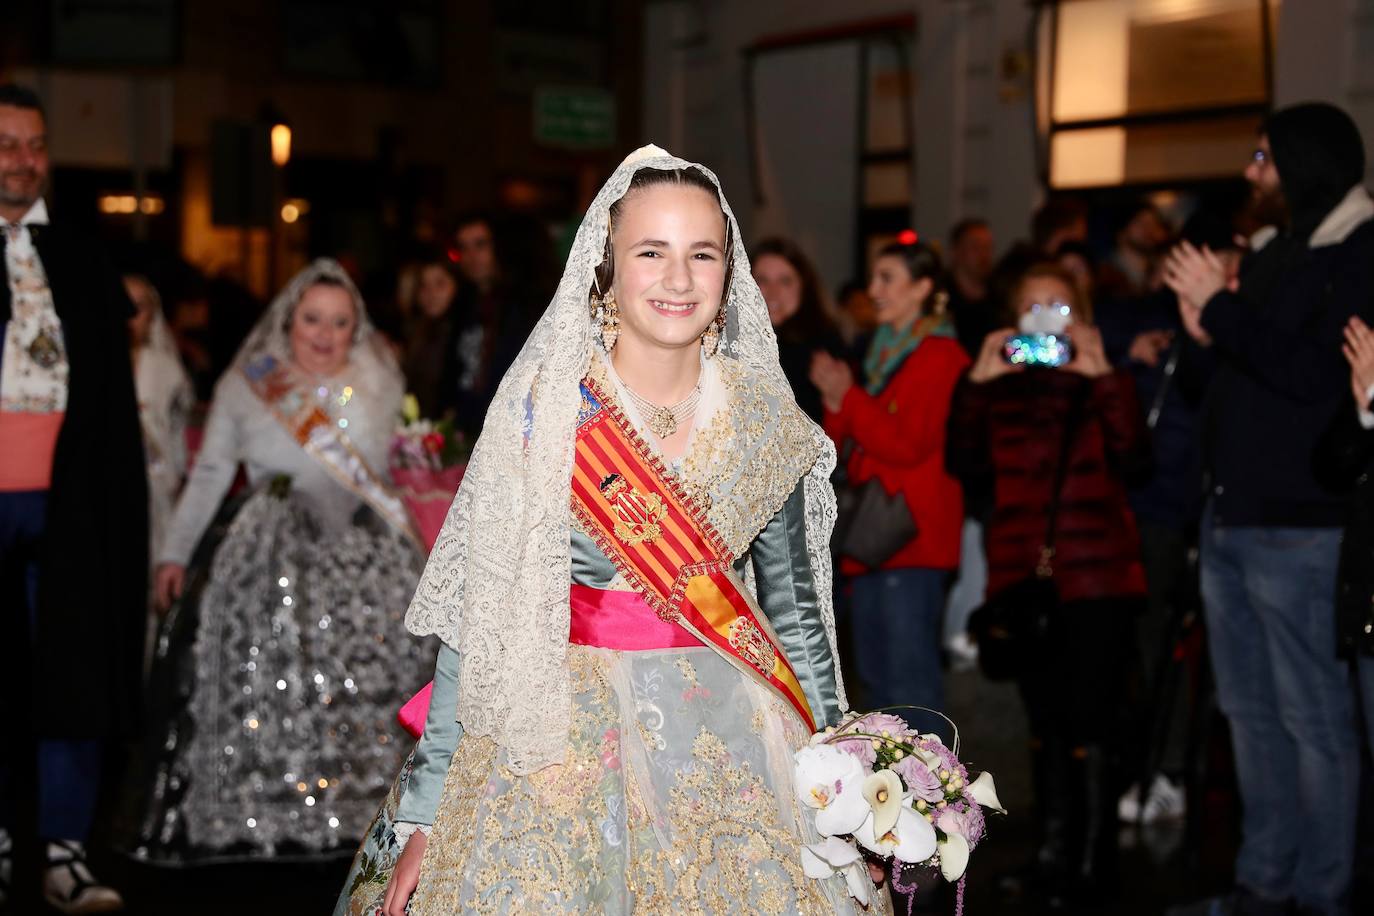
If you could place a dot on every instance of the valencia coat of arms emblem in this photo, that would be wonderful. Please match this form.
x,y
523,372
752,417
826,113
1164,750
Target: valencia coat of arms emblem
x,y
637,514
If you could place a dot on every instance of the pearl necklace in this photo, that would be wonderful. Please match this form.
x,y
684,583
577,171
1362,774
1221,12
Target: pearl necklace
x,y
664,421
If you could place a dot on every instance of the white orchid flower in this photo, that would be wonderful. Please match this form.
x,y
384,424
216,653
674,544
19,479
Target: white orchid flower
x,y
831,781
911,839
821,860
984,792
883,792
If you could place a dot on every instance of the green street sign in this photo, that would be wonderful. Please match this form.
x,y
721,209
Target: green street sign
x,y
581,119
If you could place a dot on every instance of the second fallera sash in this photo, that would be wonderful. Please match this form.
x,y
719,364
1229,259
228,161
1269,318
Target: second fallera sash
x,y
307,423
660,541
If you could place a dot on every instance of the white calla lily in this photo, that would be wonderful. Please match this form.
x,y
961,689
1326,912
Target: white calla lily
x,y
954,852
911,839
831,781
883,792
821,860
984,792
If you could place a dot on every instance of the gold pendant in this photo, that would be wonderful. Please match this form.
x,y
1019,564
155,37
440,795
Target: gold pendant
x,y
661,422
44,350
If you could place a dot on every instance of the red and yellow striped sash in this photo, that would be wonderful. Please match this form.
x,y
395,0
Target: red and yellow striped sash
x,y
660,541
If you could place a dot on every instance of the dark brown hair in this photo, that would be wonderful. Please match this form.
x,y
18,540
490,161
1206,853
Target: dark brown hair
x,y
921,262
810,323
647,178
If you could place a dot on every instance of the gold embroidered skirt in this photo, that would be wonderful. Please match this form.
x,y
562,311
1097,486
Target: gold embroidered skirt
x,y
675,795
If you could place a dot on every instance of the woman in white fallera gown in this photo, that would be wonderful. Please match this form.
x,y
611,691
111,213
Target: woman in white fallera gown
x,y
280,670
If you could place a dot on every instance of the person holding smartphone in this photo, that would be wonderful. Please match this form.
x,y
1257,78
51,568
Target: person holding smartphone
x,y
1027,405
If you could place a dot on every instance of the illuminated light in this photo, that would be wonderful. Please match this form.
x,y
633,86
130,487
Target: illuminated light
x,y
286,600
454,255
322,783
252,723
283,582
908,237
301,787
281,685
290,213
281,144
252,822
310,801
151,205
334,822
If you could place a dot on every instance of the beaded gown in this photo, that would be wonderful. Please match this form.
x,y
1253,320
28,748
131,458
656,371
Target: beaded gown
x,y
276,680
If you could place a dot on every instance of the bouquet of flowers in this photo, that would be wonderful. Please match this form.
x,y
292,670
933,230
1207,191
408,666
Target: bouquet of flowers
x,y
874,784
428,459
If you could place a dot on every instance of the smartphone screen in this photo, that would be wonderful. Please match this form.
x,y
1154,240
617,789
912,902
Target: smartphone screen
x,y
1050,350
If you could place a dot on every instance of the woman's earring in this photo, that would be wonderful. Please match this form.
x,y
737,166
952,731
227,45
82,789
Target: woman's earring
x,y
608,317
710,338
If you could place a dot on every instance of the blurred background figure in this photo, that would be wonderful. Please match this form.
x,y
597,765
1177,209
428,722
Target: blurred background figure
x,y
1145,335
971,304
1012,432
1059,220
73,522
1076,259
278,665
430,334
492,318
1271,530
891,429
856,313
787,279
1132,267
165,401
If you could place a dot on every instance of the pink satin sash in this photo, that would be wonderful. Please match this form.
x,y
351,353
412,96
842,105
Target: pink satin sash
x,y
601,618
622,620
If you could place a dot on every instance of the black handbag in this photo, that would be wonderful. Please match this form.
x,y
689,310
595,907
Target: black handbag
x,y
1013,625
872,524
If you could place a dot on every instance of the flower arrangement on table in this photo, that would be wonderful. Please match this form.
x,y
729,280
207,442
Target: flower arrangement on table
x,y
878,790
428,459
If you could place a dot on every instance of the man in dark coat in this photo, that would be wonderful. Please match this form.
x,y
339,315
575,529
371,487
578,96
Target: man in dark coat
x,y
73,515
1271,532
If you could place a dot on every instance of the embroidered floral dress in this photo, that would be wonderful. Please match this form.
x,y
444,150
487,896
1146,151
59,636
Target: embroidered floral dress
x,y
675,792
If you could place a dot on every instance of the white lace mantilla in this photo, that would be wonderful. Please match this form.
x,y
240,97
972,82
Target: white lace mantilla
x,y
496,585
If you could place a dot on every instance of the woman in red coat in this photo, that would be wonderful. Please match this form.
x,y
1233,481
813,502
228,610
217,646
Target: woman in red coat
x,y
895,421
1006,432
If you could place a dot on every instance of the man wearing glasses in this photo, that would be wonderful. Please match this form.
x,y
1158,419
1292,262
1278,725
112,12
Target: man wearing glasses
x,y
1271,532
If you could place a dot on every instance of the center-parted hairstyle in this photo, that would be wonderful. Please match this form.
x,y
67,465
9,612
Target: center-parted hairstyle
x,y
648,178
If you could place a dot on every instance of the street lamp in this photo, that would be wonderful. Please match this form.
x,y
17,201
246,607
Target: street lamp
x,y
281,144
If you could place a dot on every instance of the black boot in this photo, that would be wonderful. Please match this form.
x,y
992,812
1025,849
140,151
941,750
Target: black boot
x,y
1043,881
1052,789
1094,877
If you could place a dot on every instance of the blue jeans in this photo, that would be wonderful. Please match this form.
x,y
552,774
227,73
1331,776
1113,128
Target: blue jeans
x,y
894,622
970,587
1269,596
68,769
